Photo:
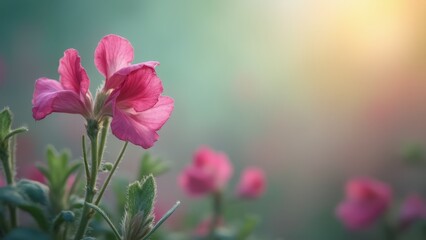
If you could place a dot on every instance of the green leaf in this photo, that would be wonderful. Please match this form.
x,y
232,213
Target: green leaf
x,y
138,220
15,132
149,165
36,192
141,196
26,233
5,123
11,196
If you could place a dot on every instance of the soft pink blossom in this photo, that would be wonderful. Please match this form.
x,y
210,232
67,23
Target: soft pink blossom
x,y
413,208
209,172
366,201
131,95
68,95
252,183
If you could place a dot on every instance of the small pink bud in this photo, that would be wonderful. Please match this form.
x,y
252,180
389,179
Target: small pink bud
x,y
366,200
413,208
252,183
209,172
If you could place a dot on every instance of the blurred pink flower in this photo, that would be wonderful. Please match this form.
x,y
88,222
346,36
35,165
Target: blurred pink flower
x,y
34,174
2,182
132,94
252,183
413,208
366,200
208,172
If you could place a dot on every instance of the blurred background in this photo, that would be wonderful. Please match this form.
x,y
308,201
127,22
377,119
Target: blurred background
x,y
314,92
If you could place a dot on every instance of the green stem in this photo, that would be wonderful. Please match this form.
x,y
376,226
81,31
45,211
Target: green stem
x,y
86,164
103,214
217,213
104,133
92,132
6,155
108,179
163,219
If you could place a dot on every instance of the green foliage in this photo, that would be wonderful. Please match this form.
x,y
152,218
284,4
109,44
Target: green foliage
x,y
6,149
413,153
57,171
5,123
150,165
26,233
6,131
247,228
139,219
29,196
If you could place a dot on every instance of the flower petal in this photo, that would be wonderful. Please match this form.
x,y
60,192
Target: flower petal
x,y
126,127
72,74
140,89
50,96
118,77
112,54
140,127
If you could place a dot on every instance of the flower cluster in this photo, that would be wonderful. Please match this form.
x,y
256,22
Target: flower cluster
x,y
210,171
367,200
208,175
131,95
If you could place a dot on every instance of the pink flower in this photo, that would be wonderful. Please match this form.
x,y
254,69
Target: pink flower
x,y
68,95
252,183
413,208
366,200
34,174
209,172
132,94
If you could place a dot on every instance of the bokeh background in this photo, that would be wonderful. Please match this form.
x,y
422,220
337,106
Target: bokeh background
x,y
314,92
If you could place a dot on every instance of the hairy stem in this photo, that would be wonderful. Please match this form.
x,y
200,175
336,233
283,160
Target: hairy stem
x,y
7,159
104,133
92,132
104,186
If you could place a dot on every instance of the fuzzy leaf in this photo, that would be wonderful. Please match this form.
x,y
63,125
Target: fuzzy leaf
x,y
36,192
5,122
139,217
141,196
12,196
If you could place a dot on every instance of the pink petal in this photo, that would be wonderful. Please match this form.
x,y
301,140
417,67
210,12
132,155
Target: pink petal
x,y
156,117
72,74
140,89
118,77
50,96
140,127
112,54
